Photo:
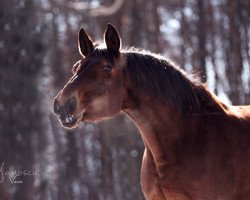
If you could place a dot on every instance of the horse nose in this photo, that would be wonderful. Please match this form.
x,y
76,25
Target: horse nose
x,y
68,107
58,109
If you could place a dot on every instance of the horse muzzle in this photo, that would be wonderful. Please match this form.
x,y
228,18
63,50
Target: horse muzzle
x,y
63,111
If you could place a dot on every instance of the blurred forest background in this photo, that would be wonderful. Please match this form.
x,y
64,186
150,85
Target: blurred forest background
x,y
38,46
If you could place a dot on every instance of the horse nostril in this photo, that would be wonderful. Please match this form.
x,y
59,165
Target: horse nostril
x,y
57,108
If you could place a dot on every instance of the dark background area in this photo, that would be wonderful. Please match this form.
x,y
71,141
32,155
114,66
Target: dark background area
x,y
38,47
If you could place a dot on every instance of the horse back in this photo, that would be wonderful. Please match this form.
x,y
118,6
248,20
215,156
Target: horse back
x,y
234,149
242,111
224,155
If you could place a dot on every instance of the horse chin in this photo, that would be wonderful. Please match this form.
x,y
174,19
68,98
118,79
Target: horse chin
x,y
70,126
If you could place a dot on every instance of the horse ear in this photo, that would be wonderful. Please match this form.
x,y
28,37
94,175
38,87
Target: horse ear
x,y
112,39
85,44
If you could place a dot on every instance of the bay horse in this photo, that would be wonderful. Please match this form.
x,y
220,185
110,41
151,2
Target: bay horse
x,y
196,147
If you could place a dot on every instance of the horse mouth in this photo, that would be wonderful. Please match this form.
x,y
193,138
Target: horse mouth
x,y
70,121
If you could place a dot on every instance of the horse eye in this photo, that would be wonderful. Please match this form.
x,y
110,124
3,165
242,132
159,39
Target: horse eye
x,y
107,68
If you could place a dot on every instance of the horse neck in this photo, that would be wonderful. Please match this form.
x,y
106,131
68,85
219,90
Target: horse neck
x,y
160,126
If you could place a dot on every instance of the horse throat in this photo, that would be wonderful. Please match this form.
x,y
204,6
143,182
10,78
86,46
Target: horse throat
x,y
158,126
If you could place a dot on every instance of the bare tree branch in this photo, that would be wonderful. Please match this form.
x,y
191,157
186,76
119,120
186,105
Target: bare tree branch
x,y
99,10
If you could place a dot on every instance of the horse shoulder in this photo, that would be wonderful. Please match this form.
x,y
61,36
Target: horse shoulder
x,y
154,187
149,178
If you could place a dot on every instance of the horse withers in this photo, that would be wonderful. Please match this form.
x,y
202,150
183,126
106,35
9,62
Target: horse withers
x,y
195,146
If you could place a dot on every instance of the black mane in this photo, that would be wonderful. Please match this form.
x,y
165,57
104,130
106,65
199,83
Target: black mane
x,y
154,75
